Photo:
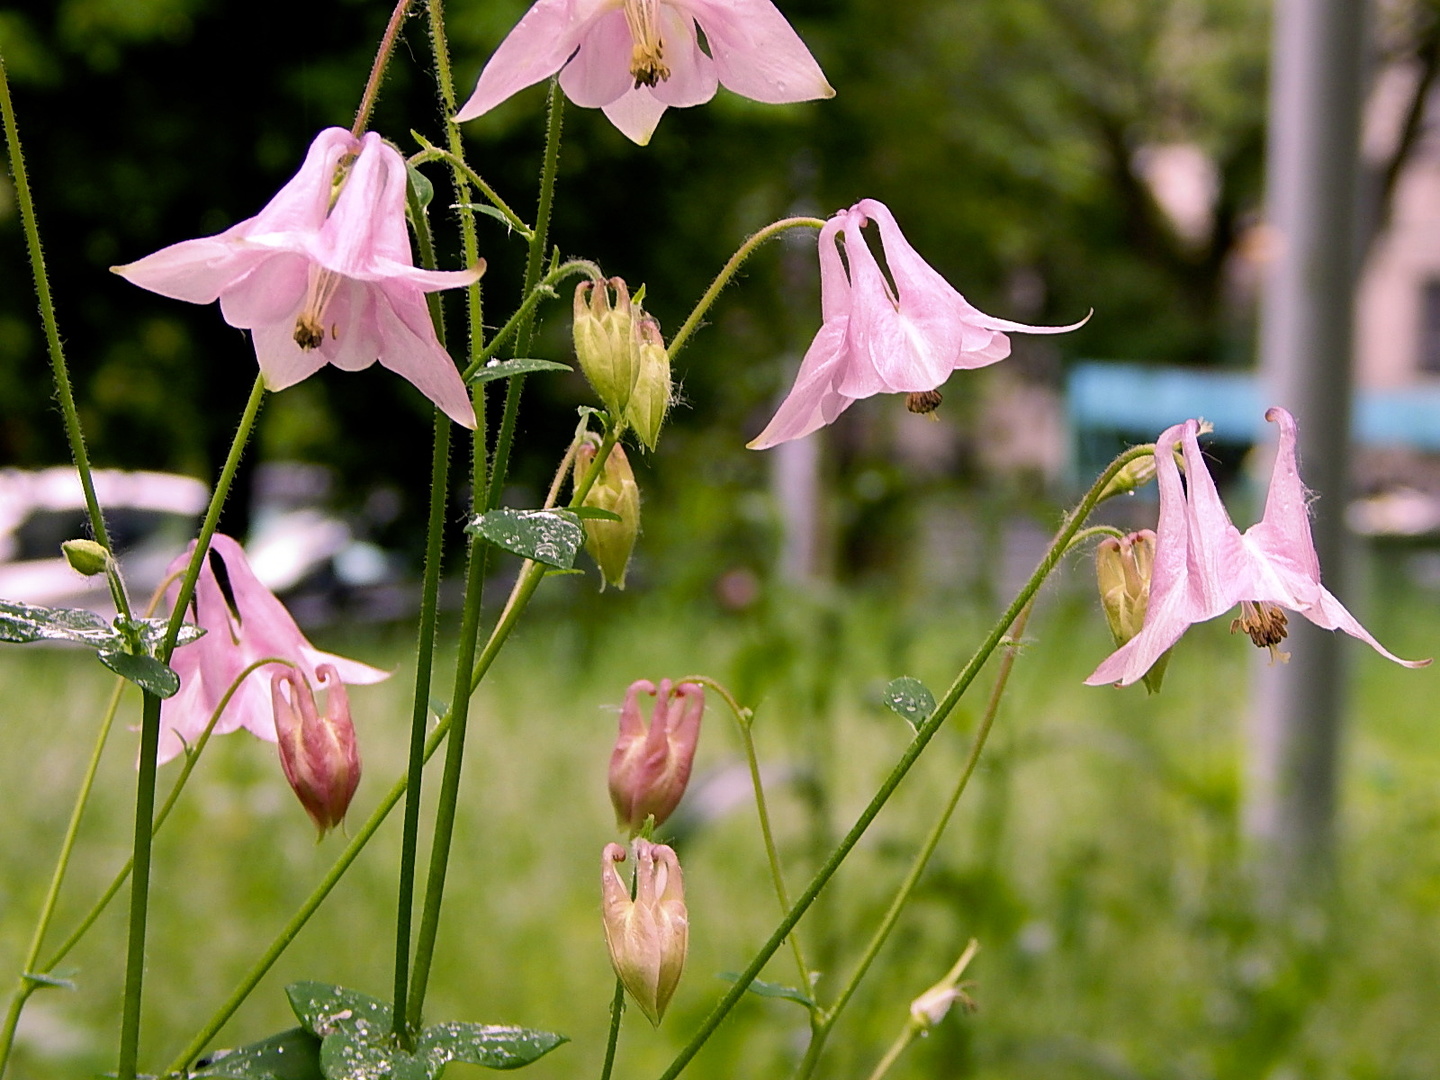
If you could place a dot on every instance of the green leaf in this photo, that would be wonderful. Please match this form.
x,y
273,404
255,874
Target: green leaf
x,y
144,671
290,1055
496,213
772,990
356,1044
151,632
21,623
911,700
551,537
595,512
488,1045
51,981
424,190
505,369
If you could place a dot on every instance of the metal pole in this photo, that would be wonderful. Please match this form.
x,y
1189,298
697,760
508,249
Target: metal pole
x,y
1306,330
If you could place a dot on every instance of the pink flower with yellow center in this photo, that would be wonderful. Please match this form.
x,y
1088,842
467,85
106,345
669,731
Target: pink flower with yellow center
x,y
324,275
636,58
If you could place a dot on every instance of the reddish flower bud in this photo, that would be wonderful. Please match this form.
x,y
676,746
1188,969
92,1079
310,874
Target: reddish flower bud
x,y
650,766
318,754
648,936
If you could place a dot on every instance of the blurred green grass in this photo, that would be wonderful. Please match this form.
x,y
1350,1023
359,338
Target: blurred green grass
x,y
1097,857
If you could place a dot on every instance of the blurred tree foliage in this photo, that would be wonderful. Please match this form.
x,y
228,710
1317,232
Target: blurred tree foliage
x,y
1005,134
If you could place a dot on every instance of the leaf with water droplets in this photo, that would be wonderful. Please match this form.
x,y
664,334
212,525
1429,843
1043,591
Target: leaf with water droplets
x,y
551,537
144,671
290,1055
490,1045
21,623
911,700
523,365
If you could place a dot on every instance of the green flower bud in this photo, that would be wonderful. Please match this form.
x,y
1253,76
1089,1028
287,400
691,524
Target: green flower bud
x,y
1123,569
605,342
651,398
611,542
86,556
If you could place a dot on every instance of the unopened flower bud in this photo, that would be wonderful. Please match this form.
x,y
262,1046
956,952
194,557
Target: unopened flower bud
x,y
649,935
605,342
650,766
1134,475
318,754
1123,569
86,556
651,398
611,542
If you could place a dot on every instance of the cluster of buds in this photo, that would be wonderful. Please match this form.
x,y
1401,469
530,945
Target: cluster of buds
x,y
318,753
1123,569
610,542
622,353
649,935
650,766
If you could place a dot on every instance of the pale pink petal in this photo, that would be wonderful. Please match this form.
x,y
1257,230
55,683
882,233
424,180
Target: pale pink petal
x,y
195,271
367,224
349,671
813,401
353,340
282,362
1220,570
536,49
757,53
600,71
1285,526
409,348
835,292
692,74
301,205
898,349
636,114
271,294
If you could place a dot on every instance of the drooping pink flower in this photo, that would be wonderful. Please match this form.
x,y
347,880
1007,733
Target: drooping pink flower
x,y
650,765
635,58
1204,565
649,936
875,338
244,622
322,278
318,752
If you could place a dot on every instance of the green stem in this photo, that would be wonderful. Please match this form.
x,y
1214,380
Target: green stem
x,y
431,152
526,309
419,717
149,743
617,1010
915,1026
922,857
377,69
533,264
728,272
27,985
449,798
58,367
744,719
912,753
192,758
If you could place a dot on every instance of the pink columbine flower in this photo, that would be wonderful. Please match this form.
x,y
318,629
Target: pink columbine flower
x,y
317,751
244,623
319,277
635,58
648,936
876,338
1204,566
650,766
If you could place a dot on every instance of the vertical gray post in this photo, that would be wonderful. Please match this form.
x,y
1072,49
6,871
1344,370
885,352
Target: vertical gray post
x,y
1306,330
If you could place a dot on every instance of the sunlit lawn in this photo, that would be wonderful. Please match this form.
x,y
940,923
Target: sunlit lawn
x,y
1097,857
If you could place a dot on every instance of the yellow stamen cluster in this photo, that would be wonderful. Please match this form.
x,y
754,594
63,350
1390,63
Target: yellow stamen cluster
x,y
647,58
1265,623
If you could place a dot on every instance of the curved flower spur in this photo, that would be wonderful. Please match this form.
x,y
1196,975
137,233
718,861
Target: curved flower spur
x,y
636,58
324,274
875,338
1204,565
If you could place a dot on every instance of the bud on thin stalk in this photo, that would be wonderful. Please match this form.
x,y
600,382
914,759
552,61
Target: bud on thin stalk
x,y
319,754
651,398
650,766
610,542
648,936
606,343
1123,569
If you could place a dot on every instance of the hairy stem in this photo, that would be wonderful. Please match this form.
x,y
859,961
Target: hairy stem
x,y
377,70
